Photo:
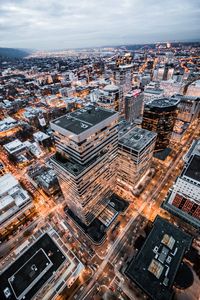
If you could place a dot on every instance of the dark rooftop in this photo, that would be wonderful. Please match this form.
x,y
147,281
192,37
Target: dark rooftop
x,y
193,169
163,104
83,119
155,266
32,269
137,138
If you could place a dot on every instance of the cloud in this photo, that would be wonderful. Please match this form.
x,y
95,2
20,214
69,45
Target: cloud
x,y
50,24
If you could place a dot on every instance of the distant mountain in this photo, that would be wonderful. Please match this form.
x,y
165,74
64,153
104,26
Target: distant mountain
x,y
11,53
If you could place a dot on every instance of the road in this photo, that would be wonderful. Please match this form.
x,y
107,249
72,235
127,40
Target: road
x,y
152,196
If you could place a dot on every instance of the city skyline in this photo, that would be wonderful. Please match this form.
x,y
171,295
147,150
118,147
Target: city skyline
x,y
49,25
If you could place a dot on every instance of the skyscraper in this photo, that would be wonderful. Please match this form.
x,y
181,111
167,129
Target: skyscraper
x,y
160,116
86,143
135,155
133,105
123,76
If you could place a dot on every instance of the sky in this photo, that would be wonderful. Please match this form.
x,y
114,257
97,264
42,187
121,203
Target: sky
x,y
59,24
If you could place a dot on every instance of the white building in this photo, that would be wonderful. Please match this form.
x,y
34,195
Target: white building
x,y
15,147
13,198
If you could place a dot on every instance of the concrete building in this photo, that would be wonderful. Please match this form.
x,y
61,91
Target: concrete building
x,y
170,87
134,105
151,93
160,116
135,155
194,89
157,263
184,198
15,148
42,268
13,199
123,76
86,143
45,178
109,97
42,139
8,126
188,108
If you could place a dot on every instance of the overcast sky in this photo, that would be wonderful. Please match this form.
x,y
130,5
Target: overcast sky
x,y
54,24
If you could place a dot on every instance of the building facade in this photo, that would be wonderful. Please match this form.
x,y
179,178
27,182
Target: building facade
x,y
134,105
109,97
123,77
135,155
160,116
86,143
14,200
183,199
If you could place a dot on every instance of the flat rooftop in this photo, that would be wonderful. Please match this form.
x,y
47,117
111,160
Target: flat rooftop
x,y
14,146
137,138
24,278
193,168
156,265
194,149
163,104
83,119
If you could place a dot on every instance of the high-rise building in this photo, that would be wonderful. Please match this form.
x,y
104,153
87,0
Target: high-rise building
x,y
184,198
135,155
123,76
188,108
133,105
160,116
86,143
109,97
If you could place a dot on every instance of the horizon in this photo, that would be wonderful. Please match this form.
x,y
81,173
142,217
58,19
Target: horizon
x,y
197,40
80,24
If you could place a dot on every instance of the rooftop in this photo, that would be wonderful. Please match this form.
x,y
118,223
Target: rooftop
x,y
194,149
83,119
40,136
12,197
163,104
31,270
7,182
111,88
156,265
14,146
137,138
193,168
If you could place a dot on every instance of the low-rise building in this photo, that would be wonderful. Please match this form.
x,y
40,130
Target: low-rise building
x,y
14,200
184,198
42,269
156,265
